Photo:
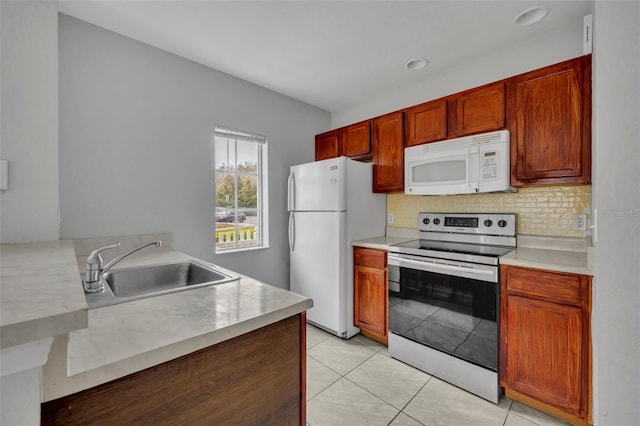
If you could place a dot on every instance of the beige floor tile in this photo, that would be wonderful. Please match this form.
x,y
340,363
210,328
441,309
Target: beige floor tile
x,y
315,336
368,342
439,403
389,379
340,355
535,416
505,403
384,351
515,420
344,403
404,420
319,377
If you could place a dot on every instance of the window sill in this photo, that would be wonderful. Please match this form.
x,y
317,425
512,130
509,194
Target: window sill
x,y
240,249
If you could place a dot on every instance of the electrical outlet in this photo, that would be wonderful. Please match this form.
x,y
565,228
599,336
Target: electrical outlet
x,y
390,218
579,222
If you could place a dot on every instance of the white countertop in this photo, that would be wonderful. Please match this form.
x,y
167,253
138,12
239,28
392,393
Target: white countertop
x,y
122,339
40,292
562,254
548,259
381,243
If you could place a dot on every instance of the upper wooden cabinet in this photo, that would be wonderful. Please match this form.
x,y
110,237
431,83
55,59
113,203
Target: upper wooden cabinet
x,y
355,140
547,111
352,141
477,110
426,123
327,145
550,123
388,153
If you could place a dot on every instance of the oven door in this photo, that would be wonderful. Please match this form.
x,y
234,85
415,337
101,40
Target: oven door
x,y
445,306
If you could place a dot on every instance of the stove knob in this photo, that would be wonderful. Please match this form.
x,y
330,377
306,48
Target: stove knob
x,y
502,223
425,220
436,221
488,223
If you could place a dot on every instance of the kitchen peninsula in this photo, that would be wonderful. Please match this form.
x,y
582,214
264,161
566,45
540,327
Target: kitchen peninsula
x,y
235,350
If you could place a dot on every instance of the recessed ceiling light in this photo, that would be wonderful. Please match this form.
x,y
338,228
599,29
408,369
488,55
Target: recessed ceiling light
x,y
416,64
531,15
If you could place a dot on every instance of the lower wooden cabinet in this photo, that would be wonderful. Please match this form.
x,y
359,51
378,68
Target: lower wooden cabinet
x,y
545,348
370,293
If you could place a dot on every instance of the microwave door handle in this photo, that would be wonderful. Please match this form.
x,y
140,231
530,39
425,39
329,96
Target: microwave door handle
x,y
467,183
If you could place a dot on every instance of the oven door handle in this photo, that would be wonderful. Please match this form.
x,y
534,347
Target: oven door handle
x,y
424,265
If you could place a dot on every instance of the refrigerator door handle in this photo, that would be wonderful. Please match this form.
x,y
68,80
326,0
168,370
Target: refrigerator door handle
x,y
291,186
292,232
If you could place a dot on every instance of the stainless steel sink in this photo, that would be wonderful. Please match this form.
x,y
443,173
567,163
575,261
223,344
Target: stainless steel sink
x,y
127,284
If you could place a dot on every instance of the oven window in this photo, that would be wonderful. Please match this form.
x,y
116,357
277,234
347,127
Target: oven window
x,y
452,314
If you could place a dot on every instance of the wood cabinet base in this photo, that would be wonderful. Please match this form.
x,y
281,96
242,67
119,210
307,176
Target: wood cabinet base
x,y
254,379
546,408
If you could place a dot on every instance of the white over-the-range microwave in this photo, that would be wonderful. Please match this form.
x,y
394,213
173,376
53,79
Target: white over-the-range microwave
x,y
467,165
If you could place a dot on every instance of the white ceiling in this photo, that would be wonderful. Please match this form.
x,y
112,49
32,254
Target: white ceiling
x,y
331,54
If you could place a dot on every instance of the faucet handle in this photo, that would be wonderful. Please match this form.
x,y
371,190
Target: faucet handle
x,y
95,257
94,264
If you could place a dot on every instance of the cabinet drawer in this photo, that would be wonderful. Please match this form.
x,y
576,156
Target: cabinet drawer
x,y
554,287
370,257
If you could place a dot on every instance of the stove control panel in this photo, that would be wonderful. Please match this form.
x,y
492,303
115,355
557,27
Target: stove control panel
x,y
469,223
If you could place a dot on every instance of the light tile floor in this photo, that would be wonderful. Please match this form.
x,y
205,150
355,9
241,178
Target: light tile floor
x,y
355,382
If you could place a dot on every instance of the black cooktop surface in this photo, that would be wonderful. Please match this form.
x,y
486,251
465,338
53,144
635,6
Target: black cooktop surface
x,y
463,248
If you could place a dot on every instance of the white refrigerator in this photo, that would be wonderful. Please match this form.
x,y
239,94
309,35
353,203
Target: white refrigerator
x,y
331,204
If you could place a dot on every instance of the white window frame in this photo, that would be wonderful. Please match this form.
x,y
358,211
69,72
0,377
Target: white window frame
x,y
262,186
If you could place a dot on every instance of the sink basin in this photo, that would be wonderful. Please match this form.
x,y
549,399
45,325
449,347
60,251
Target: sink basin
x,y
127,284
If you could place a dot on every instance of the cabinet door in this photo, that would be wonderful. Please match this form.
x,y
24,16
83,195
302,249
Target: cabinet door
x,y
551,132
327,145
388,153
426,123
477,110
355,140
545,352
370,297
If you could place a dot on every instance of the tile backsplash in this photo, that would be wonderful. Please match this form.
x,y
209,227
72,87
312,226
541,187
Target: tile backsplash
x,y
541,210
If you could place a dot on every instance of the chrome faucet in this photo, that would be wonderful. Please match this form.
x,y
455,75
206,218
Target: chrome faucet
x,y
92,282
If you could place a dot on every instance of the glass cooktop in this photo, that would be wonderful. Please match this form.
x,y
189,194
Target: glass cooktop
x,y
450,247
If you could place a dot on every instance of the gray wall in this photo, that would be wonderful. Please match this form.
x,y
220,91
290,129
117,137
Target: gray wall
x,y
616,199
136,126
29,128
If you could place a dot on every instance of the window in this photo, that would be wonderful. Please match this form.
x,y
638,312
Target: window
x,y
240,163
